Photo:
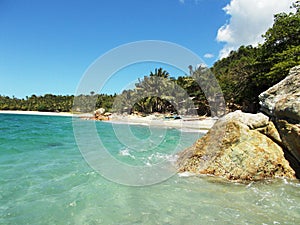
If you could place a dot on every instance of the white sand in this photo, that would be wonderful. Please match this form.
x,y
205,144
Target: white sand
x,y
185,124
35,113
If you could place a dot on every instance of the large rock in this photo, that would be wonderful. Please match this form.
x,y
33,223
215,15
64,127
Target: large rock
x,y
282,103
283,99
240,146
100,114
99,111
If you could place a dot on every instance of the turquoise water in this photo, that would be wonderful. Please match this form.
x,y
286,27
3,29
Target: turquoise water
x,y
44,179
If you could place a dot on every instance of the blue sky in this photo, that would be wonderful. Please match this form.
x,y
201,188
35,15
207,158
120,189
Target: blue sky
x,y
47,45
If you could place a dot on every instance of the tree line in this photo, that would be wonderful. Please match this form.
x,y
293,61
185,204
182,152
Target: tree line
x,y
242,76
58,103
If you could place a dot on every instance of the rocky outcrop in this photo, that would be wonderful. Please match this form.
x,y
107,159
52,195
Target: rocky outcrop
x,y
243,146
282,103
100,114
282,100
240,146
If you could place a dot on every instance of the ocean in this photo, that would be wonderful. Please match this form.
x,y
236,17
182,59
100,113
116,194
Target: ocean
x,y
49,174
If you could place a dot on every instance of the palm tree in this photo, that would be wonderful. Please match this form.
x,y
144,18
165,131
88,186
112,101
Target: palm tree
x,y
160,73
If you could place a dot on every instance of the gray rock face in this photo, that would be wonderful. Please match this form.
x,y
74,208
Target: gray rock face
x,y
282,103
253,121
283,99
240,146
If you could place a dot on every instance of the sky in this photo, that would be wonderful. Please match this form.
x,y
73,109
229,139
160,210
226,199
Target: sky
x,y
47,46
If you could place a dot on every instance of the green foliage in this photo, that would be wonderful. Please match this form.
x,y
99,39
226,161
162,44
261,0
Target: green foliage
x,y
58,103
284,33
242,76
282,62
280,50
151,94
247,72
235,74
48,102
160,93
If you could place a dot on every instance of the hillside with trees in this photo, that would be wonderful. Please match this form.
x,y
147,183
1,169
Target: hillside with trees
x,y
247,72
242,76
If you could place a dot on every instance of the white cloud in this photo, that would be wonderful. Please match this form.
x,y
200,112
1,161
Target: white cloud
x,y
181,1
208,55
249,19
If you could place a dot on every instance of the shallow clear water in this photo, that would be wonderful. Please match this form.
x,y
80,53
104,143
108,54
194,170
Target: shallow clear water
x,y
44,179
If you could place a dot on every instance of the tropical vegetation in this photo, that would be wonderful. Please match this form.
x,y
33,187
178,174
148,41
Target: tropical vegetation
x,y
58,103
242,76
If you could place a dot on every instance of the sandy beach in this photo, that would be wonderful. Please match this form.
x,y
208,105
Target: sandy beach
x,y
185,124
35,113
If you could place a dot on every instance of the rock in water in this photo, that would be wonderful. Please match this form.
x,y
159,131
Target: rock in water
x,y
240,146
282,103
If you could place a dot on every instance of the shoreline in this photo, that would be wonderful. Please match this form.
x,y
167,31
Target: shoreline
x,y
184,124
35,113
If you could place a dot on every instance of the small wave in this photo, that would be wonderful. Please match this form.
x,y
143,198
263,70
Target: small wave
x,y
295,183
191,130
159,157
126,152
128,123
186,174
